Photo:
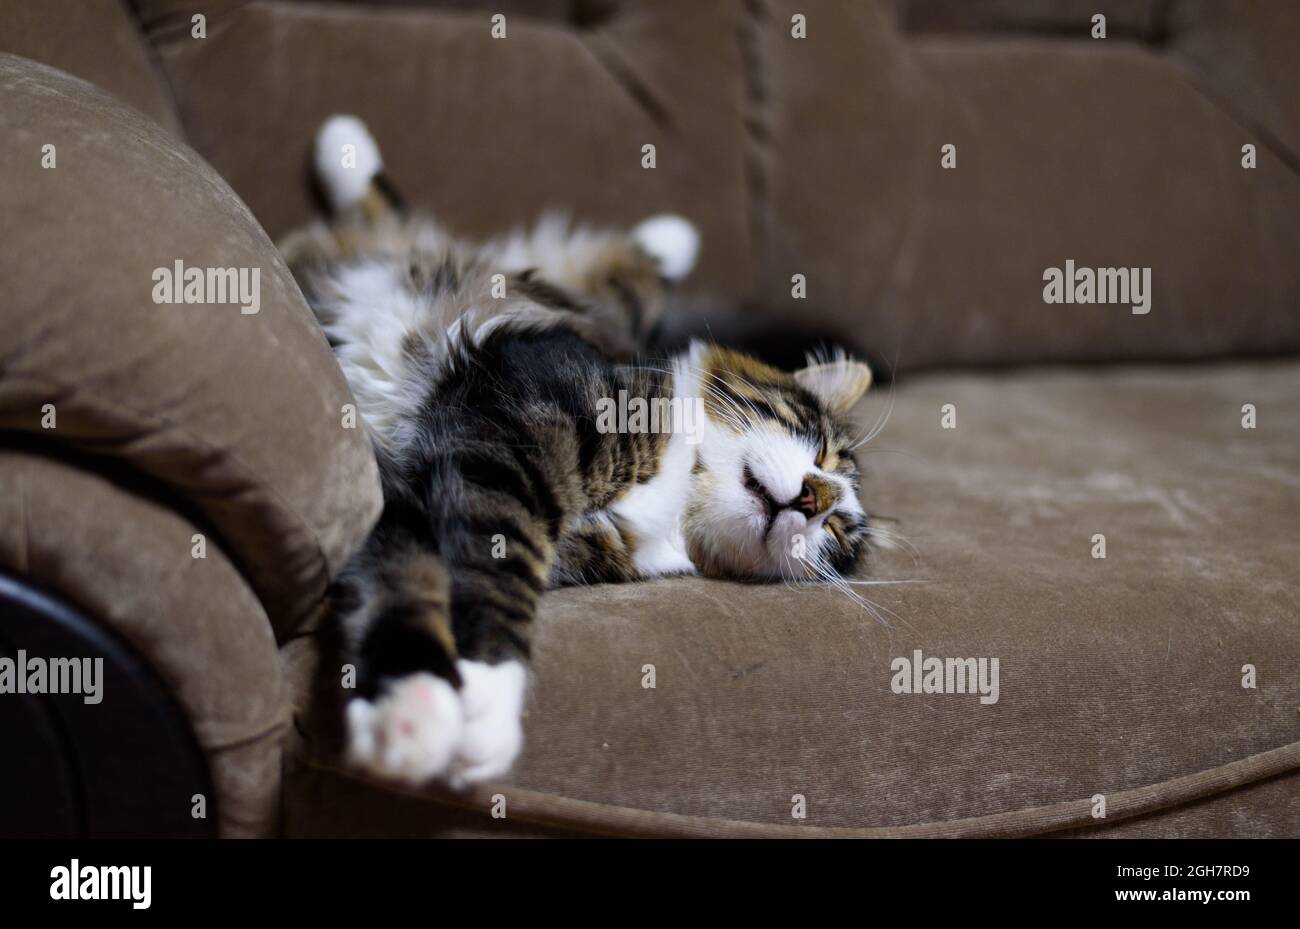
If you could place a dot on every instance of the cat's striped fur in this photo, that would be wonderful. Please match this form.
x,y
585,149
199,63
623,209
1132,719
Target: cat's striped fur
x,y
479,370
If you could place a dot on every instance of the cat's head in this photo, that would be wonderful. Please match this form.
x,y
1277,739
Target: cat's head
x,y
774,493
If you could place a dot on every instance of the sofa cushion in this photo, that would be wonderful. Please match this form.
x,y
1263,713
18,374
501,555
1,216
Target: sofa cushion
x,y
485,132
240,416
817,156
1105,153
1243,55
1120,676
98,42
1126,18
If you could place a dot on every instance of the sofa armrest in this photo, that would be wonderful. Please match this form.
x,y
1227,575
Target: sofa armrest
x,y
110,550
224,394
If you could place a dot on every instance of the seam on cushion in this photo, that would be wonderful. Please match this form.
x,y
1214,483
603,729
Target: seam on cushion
x,y
1196,81
585,816
322,569
1152,31
610,58
1181,65
613,61
172,33
756,128
915,221
276,727
155,65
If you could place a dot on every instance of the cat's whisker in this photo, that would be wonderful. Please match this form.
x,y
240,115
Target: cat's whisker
x,y
861,583
881,421
724,395
889,451
829,576
891,539
725,406
846,584
718,393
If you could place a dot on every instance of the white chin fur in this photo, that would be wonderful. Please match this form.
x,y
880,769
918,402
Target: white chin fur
x,y
672,241
346,173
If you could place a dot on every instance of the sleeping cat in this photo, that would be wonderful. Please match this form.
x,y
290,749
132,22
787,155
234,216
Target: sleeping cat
x,y
478,370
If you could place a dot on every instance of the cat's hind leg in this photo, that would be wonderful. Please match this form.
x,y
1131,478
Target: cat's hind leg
x,y
367,218
351,170
612,279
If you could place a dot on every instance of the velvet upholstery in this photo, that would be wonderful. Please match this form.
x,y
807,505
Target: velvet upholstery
x,y
1120,677
818,156
132,431
185,393
103,542
98,41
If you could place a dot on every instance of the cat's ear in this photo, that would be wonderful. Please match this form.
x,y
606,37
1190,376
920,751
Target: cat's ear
x,y
838,383
672,241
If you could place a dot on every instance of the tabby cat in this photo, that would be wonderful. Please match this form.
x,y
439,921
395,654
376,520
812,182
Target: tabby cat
x,y
482,372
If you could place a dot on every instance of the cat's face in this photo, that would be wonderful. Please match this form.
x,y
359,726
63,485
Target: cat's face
x,y
775,489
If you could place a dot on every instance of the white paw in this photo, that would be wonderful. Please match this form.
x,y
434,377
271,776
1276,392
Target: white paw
x,y
424,729
672,241
409,734
492,697
347,157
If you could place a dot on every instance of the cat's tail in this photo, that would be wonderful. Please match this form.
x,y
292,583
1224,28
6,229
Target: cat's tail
x,y
351,170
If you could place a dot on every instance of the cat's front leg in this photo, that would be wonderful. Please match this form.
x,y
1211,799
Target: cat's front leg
x,y
405,719
438,629
480,514
508,461
428,707
599,549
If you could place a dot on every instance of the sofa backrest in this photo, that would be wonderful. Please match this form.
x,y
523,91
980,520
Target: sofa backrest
x,y
98,41
815,165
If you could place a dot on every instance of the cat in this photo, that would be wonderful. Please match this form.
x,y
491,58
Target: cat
x,y
478,370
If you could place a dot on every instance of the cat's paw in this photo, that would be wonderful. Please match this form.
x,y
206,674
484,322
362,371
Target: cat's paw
x,y
492,697
423,729
410,734
347,160
672,241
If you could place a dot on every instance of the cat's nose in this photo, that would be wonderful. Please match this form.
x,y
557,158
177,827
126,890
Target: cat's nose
x,y
806,502
815,496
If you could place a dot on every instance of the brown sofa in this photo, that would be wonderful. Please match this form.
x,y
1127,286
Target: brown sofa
x,y
181,429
